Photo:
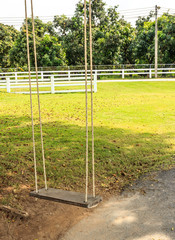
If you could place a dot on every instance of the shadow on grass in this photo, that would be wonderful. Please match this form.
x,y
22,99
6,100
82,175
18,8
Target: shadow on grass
x,y
121,156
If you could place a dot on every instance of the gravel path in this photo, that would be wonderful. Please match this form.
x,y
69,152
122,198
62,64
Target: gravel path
x,y
144,212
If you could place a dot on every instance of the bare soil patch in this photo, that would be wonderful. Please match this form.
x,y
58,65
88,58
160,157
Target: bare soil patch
x,y
47,220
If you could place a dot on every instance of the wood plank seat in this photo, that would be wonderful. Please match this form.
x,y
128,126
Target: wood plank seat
x,y
67,197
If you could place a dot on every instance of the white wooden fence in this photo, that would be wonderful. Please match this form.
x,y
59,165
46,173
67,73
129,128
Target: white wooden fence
x,y
49,81
73,80
150,72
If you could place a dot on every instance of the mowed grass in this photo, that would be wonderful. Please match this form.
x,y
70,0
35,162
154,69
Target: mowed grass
x,y
134,134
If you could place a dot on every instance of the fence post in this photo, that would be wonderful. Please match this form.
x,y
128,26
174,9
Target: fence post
x,y
96,73
16,77
8,84
95,81
123,73
150,73
69,75
52,85
42,76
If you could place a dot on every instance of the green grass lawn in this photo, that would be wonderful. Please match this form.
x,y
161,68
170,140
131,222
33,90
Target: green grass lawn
x,y
134,134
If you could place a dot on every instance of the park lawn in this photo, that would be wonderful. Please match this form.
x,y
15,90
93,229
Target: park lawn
x,y
134,134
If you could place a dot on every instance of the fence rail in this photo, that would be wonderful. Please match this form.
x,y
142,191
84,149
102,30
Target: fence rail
x,y
95,67
49,82
74,80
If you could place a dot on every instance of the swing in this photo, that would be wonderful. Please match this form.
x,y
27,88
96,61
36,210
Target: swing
x,y
58,195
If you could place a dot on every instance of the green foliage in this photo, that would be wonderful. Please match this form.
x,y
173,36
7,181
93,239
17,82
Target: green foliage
x,y
115,41
8,35
49,50
111,40
166,26
143,46
71,34
111,35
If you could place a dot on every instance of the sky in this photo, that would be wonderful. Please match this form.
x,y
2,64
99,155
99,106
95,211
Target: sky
x,y
15,8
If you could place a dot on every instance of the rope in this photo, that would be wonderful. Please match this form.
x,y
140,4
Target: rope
x,y
31,105
39,108
85,58
92,111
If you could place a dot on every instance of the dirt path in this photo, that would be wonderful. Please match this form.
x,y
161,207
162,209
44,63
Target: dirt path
x,y
144,212
47,220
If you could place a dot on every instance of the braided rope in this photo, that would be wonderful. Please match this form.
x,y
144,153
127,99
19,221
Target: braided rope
x,y
92,111
31,105
85,58
39,108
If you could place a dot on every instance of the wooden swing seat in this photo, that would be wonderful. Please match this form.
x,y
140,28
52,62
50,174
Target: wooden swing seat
x,y
67,197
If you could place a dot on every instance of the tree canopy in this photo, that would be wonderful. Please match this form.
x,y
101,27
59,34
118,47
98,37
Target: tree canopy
x,y
49,49
115,41
143,45
112,35
8,35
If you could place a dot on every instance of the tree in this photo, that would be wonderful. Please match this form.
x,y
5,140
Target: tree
x,y
143,45
112,40
70,33
112,35
49,49
97,9
8,35
50,52
166,34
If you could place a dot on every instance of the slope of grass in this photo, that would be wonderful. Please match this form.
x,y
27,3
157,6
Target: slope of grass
x,y
134,134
